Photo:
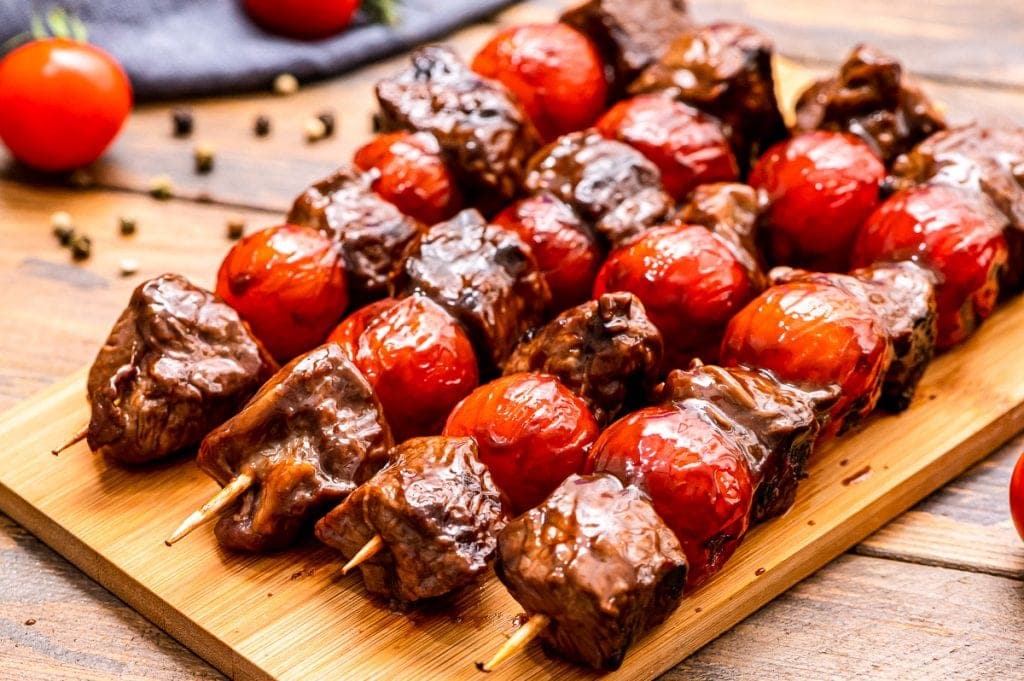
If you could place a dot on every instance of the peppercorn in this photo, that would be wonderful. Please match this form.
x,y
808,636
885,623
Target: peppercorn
x,y
203,156
161,187
81,247
327,118
183,122
315,129
262,126
64,235
286,84
236,228
127,225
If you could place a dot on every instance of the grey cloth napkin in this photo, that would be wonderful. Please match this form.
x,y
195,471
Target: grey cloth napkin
x,y
177,48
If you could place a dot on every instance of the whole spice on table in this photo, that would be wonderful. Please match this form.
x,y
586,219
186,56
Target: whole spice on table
x,y
81,247
128,267
262,126
204,157
236,228
327,118
161,187
127,225
315,129
286,84
182,121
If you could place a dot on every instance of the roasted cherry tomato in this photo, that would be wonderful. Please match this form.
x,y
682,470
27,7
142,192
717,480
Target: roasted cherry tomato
x,y
62,102
816,335
553,70
688,146
288,283
420,362
532,433
308,19
697,478
563,246
954,233
690,282
821,187
1017,496
412,174
347,333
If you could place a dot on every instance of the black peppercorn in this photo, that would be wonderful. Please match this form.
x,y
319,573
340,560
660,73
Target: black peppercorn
x,y
203,158
235,229
183,122
327,118
262,127
81,247
127,225
64,235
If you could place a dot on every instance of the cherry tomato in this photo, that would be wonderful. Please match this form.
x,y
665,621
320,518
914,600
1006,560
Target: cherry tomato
x,y
1017,496
532,433
816,335
347,333
955,234
688,146
420,362
698,479
412,174
288,283
62,102
821,187
567,254
690,282
307,19
553,70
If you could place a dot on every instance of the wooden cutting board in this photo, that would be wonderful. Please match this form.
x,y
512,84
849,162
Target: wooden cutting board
x,y
292,615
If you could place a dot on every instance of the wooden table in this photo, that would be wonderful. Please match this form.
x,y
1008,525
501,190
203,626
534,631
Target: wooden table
x,y
938,593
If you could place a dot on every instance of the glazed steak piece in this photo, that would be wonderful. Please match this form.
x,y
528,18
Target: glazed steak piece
x,y
732,211
630,34
725,70
177,363
872,98
483,275
609,183
437,511
902,295
371,232
309,437
597,560
606,351
480,126
775,424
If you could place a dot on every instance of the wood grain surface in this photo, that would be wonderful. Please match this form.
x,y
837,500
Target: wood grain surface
x,y
53,313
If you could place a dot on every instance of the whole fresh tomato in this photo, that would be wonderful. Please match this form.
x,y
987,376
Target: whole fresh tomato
x,y
1017,496
308,19
62,102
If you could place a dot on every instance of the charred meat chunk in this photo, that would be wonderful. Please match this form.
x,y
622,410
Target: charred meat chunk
x,y
483,275
630,34
178,362
437,512
598,562
371,232
609,183
310,436
902,295
725,70
480,126
731,210
872,98
775,423
606,351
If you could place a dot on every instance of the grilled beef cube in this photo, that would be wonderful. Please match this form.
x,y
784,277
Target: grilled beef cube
x,y
775,424
310,436
630,34
178,362
480,126
597,560
483,275
872,98
902,294
725,70
732,211
437,511
609,183
371,232
606,351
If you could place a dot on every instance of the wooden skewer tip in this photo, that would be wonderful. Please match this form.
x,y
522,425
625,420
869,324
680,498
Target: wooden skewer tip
x,y
369,550
75,439
228,493
517,641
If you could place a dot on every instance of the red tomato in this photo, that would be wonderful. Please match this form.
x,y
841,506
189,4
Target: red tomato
x,y
698,480
1017,496
288,283
532,433
307,19
553,70
821,187
688,146
347,333
62,102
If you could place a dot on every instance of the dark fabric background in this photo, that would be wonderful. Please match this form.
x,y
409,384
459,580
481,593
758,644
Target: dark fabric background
x,y
174,48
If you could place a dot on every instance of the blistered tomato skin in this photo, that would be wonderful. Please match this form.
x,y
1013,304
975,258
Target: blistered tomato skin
x,y
818,336
420,362
347,333
553,70
955,234
1017,496
288,283
532,433
688,146
412,175
698,480
564,248
821,187
690,282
